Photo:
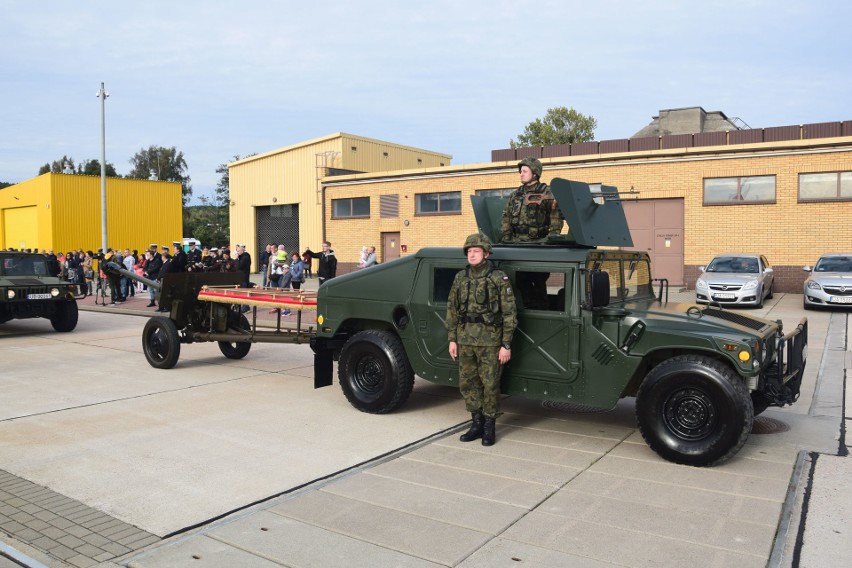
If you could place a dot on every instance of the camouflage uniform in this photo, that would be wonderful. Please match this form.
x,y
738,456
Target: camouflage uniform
x,y
531,213
480,319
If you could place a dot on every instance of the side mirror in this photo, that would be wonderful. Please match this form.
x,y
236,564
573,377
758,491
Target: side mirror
x,y
807,268
599,289
702,268
768,270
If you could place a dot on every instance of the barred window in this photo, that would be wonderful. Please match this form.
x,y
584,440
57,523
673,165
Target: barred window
x,y
350,207
438,203
829,186
739,190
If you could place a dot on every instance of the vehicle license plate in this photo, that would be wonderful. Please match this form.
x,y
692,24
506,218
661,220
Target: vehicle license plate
x,y
724,296
840,299
38,296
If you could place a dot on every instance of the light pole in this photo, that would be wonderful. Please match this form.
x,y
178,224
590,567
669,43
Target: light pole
x,y
102,94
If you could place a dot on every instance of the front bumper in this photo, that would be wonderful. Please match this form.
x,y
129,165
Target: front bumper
x,y
781,382
737,298
823,298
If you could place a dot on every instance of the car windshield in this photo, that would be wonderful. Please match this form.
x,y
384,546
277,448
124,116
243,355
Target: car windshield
x,y
23,265
834,264
736,264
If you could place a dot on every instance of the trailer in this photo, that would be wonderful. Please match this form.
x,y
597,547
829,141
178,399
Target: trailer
x,y
211,306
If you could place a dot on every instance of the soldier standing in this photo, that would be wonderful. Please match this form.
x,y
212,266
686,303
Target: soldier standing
x,y
193,257
481,320
531,213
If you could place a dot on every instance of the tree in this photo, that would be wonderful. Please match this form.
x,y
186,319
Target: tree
x,y
560,125
5,184
207,222
65,165
161,163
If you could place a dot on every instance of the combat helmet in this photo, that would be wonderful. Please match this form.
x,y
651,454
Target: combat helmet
x,y
477,240
532,164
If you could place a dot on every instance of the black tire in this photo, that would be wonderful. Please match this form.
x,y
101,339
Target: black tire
x,y
161,343
236,350
806,305
694,410
771,293
374,372
65,318
759,299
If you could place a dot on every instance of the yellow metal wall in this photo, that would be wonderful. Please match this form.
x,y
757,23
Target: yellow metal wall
x,y
291,175
139,212
33,194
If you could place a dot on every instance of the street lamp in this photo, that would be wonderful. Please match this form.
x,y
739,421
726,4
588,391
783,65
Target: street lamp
x,y
102,94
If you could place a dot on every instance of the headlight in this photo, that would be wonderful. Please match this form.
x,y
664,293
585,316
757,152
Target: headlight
x,y
10,294
54,292
700,284
750,285
814,285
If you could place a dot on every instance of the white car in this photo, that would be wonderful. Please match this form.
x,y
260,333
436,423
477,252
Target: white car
x,y
830,282
735,279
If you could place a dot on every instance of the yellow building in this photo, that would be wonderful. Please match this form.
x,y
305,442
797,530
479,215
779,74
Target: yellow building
x,y
790,200
62,212
277,197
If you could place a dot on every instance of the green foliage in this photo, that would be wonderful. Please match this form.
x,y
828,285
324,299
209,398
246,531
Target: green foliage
x,y
207,222
4,184
223,188
166,164
65,165
560,125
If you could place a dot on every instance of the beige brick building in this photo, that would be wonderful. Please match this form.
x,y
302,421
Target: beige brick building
x,y
790,200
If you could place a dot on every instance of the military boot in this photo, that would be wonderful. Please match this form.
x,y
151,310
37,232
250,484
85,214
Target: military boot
x,y
488,438
475,431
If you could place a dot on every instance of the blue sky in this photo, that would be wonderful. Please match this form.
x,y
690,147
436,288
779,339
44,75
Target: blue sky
x,y
217,79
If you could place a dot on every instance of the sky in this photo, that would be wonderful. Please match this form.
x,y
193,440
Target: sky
x,y
219,79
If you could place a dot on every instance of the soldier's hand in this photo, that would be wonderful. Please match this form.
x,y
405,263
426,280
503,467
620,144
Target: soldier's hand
x,y
504,355
454,350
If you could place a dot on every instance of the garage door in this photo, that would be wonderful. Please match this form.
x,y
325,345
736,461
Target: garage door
x,y
656,226
20,227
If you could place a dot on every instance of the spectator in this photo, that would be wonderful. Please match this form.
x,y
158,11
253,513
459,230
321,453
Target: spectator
x,y
327,263
127,288
278,267
263,264
152,272
371,257
297,271
243,262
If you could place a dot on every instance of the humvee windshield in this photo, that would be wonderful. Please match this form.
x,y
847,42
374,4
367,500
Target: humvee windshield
x,y
629,278
23,265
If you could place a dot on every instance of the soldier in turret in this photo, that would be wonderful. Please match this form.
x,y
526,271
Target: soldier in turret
x,y
531,214
481,320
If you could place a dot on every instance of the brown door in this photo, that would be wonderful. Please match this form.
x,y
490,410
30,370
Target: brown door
x,y
390,246
656,226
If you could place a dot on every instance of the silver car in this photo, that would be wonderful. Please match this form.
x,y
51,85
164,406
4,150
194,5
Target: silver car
x,y
735,279
830,282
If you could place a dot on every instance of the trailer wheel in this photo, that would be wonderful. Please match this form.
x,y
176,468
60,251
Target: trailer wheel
x,y
694,410
65,317
161,343
237,349
374,372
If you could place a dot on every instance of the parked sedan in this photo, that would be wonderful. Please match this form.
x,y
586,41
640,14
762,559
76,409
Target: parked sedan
x,y
830,282
735,279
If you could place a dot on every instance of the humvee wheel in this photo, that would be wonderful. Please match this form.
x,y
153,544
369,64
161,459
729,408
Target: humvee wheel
x,y
65,318
161,343
236,350
694,410
374,372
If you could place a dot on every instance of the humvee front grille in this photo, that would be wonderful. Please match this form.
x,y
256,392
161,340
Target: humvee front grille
x,y
732,317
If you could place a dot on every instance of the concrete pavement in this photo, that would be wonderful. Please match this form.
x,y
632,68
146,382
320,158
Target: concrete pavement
x,y
564,486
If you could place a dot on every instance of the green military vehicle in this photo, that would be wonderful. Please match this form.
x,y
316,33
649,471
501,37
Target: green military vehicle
x,y
590,331
29,288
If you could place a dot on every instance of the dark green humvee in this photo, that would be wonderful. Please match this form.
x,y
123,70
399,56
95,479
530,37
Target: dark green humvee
x,y
590,331
29,288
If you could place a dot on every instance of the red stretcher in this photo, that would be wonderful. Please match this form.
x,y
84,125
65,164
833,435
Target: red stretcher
x,y
260,297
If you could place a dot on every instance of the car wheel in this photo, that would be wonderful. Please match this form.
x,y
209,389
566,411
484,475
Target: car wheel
x,y
374,372
693,410
65,317
806,305
237,349
161,343
771,294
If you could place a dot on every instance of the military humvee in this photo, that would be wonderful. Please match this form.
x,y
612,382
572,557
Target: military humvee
x,y
29,288
590,331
